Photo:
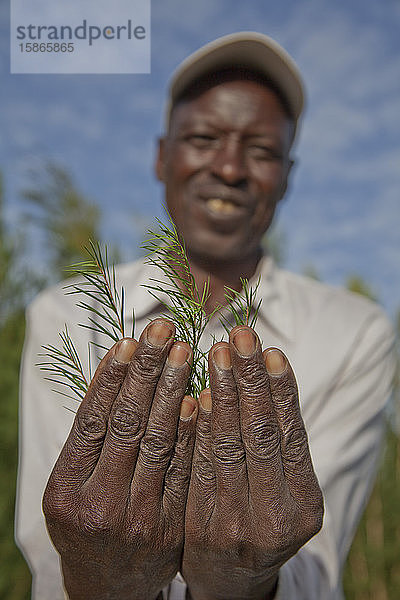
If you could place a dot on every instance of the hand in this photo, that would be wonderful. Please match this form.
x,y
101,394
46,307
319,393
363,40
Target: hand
x,y
254,499
115,501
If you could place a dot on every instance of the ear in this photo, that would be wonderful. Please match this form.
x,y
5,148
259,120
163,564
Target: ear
x,y
159,167
286,181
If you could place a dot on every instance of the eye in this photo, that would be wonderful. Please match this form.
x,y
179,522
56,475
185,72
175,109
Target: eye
x,y
202,140
260,152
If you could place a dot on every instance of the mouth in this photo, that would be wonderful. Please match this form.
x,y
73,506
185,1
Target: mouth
x,y
221,206
224,203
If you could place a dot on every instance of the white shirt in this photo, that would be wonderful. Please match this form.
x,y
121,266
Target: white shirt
x,y
341,348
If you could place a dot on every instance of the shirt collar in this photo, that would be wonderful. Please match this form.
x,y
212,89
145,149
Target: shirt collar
x,y
276,309
138,294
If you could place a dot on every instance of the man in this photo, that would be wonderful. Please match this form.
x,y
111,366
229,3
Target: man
x,y
222,489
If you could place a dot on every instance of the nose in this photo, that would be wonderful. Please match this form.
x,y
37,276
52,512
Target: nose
x,y
228,162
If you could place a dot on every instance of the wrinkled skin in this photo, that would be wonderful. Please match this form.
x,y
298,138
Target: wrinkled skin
x,y
115,501
254,499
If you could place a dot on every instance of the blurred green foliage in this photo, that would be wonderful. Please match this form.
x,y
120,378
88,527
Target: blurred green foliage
x,y
373,568
67,221
14,574
65,217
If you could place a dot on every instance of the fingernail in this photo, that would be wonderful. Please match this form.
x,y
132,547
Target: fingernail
x,y
159,332
188,408
125,350
178,355
275,362
205,400
245,342
222,357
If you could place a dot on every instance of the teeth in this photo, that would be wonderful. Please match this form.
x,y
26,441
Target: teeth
x,y
221,206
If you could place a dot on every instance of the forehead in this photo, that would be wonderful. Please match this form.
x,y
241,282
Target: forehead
x,y
238,104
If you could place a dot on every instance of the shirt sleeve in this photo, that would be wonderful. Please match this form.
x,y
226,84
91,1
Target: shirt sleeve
x,y
45,420
345,436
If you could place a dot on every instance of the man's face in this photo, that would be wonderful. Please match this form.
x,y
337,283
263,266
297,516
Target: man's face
x,y
225,163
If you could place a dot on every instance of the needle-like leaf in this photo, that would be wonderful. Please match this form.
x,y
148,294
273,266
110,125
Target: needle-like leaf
x,y
64,365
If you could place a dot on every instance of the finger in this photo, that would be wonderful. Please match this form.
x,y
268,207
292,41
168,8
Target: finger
x,y
260,430
177,478
202,484
128,417
296,459
228,452
158,442
83,446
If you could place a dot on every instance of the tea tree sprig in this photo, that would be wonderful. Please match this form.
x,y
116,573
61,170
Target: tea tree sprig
x,y
185,304
64,366
106,307
242,305
98,282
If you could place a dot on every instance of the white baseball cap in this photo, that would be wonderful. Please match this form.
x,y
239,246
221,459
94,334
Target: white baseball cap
x,y
245,49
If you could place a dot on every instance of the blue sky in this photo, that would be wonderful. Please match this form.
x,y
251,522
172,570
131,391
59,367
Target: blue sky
x,y
342,213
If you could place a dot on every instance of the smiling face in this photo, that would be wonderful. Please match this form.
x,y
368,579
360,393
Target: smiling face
x,y
225,164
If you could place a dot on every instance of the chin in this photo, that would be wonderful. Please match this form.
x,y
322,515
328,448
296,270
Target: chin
x,y
218,251
207,244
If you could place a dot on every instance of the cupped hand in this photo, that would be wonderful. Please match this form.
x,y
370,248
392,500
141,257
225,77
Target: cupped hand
x,y
115,501
254,499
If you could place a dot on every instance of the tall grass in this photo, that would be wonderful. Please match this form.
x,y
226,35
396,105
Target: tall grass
x,y
14,574
373,567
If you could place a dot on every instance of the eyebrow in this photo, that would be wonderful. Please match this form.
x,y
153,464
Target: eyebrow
x,y
207,122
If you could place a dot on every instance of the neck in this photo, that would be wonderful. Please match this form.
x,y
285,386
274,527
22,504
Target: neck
x,y
220,275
